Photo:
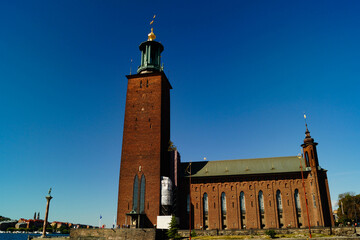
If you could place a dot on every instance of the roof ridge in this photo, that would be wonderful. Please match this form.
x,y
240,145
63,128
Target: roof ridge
x,y
242,159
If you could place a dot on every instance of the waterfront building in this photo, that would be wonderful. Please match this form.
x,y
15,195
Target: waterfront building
x,y
227,194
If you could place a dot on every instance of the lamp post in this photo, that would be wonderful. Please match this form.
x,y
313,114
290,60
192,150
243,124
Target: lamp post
x,y
48,198
303,183
190,203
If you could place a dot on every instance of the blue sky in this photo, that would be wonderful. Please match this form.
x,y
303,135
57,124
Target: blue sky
x,y
243,73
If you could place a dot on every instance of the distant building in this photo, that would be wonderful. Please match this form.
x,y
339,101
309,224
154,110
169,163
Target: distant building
x,y
29,223
228,194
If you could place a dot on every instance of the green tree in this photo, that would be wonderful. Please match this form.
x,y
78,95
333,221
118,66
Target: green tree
x,y
4,219
172,233
349,207
171,147
64,229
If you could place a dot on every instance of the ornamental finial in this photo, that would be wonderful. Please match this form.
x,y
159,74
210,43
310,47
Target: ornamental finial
x,y
151,36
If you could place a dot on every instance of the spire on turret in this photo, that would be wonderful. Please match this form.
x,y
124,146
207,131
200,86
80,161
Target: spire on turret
x,y
150,54
308,138
307,132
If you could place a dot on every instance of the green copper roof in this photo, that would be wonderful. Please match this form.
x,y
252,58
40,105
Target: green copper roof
x,y
245,166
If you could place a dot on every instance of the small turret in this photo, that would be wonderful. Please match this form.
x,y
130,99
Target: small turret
x,y
309,149
150,55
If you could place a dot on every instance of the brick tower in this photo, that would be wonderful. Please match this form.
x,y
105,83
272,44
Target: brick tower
x,y
146,136
319,194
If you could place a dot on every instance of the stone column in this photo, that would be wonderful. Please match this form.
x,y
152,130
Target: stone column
x,y
48,198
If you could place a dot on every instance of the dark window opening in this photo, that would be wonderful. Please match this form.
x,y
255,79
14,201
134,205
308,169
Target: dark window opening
x,y
307,159
135,194
223,211
298,208
262,209
242,210
279,209
205,212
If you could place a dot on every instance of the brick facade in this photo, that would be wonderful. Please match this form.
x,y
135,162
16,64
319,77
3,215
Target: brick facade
x,y
145,140
145,158
274,216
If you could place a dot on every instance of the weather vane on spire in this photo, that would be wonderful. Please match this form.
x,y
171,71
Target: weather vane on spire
x,y
152,36
152,21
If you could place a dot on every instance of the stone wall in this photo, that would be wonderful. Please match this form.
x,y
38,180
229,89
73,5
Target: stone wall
x,y
113,234
338,231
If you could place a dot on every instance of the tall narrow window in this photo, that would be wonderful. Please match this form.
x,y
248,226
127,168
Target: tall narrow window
x,y
279,208
206,211
223,211
261,209
307,159
142,194
140,83
298,208
242,210
135,193
314,201
188,203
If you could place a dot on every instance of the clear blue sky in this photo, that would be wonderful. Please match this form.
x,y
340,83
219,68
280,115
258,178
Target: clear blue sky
x,y
243,73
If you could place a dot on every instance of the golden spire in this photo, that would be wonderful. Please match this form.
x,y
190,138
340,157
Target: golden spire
x,y
151,36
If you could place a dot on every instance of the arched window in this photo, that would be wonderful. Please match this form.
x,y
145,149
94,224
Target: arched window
x,y
278,200
279,208
314,201
261,209
142,194
261,201
135,193
205,211
242,210
298,208
223,203
307,159
223,211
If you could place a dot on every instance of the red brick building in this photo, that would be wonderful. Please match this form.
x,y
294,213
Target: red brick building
x,y
258,193
231,194
146,136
